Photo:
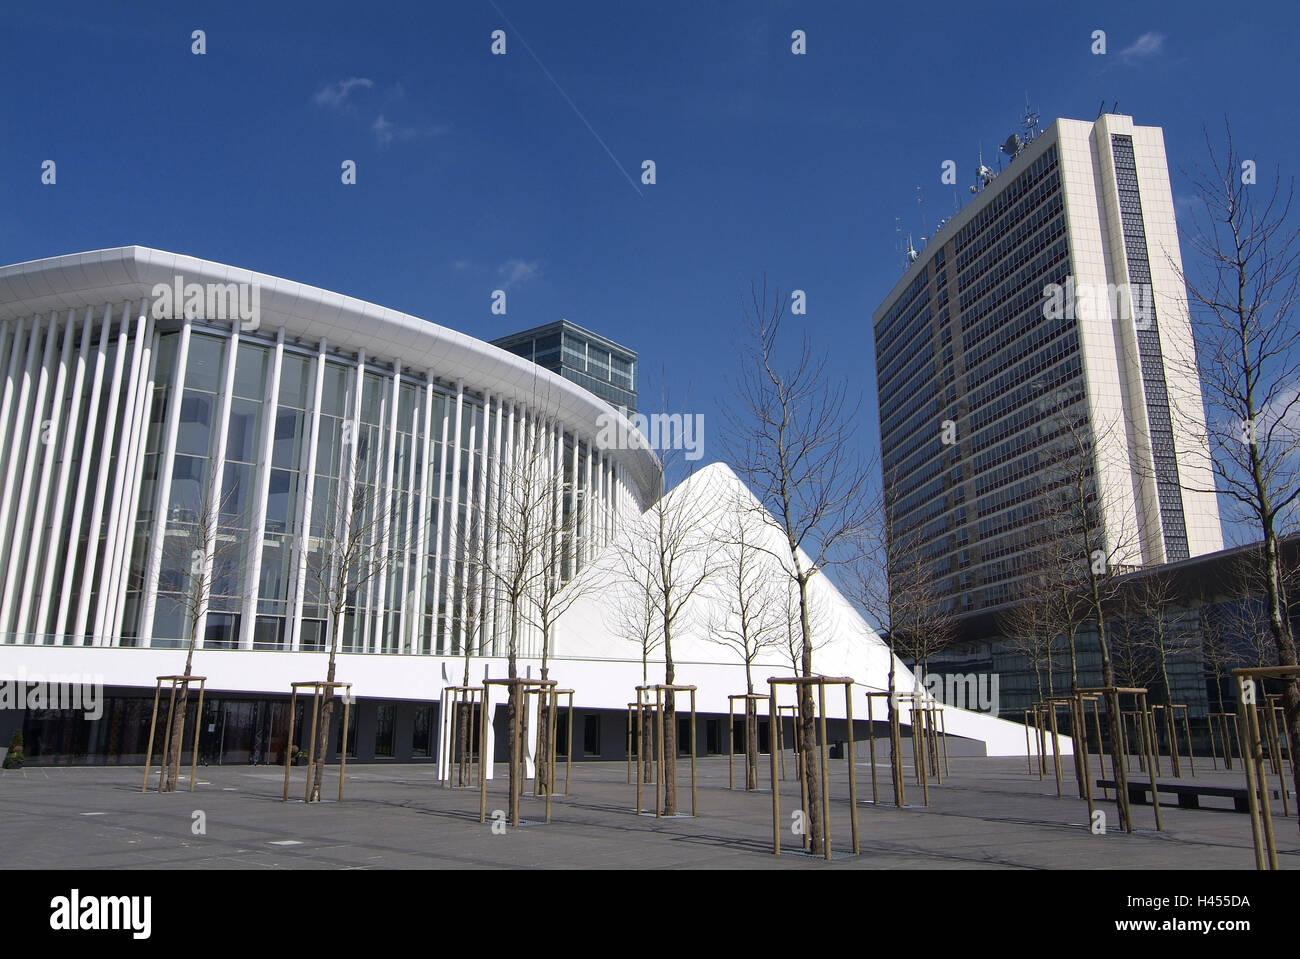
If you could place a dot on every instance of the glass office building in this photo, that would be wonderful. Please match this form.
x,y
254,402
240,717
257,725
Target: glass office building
x,y
588,359
977,371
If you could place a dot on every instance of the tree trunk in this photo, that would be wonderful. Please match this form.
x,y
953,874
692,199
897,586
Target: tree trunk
x,y
323,731
175,739
647,745
512,716
462,756
670,743
808,731
542,761
751,743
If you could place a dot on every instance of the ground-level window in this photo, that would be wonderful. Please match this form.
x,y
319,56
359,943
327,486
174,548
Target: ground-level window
x,y
384,721
591,736
422,732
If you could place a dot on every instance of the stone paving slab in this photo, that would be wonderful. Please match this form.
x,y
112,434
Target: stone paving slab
x,y
990,813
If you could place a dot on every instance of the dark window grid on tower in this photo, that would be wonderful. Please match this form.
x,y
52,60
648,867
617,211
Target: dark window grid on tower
x,y
1150,356
1038,211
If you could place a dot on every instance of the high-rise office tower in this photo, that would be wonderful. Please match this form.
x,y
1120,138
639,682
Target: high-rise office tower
x,y
1054,296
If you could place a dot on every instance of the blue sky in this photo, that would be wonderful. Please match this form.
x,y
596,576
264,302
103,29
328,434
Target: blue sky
x,y
475,173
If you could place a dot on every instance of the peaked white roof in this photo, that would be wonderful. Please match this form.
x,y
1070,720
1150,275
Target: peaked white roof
x,y
844,643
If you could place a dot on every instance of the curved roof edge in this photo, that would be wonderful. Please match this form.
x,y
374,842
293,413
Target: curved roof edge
x,y
129,273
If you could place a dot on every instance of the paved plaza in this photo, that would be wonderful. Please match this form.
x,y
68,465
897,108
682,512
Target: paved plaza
x,y
989,813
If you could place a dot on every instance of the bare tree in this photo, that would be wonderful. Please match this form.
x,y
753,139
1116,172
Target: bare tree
x,y
896,581
1151,616
516,562
200,559
670,553
346,551
634,619
470,548
1030,629
1243,298
747,617
557,585
791,433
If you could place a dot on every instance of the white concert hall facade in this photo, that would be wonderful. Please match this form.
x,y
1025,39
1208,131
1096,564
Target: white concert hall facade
x,y
128,423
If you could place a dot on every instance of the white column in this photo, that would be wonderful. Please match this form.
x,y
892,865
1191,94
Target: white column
x,y
571,547
588,513
454,516
17,453
58,530
119,559
8,347
490,522
302,525
166,466
101,623
17,356
506,464
17,524
380,585
82,490
424,442
49,443
442,515
480,574
89,575
261,492
406,545
464,574
349,478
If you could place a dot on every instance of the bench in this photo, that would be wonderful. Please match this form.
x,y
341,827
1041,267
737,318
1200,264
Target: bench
x,y
1189,794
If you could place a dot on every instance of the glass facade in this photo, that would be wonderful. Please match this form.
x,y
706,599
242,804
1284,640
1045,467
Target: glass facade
x,y
593,362
206,482
968,343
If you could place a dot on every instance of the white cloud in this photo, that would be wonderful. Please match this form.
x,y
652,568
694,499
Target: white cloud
x,y
1149,44
386,131
335,95
514,271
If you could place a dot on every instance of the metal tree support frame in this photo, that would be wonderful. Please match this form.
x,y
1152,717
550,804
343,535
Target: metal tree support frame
x,y
631,708
1223,721
462,697
871,740
642,704
554,724
1044,720
731,735
525,686
167,738
1277,740
1252,756
1146,727
922,736
780,727
819,719
1170,713
1045,725
320,691
896,744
